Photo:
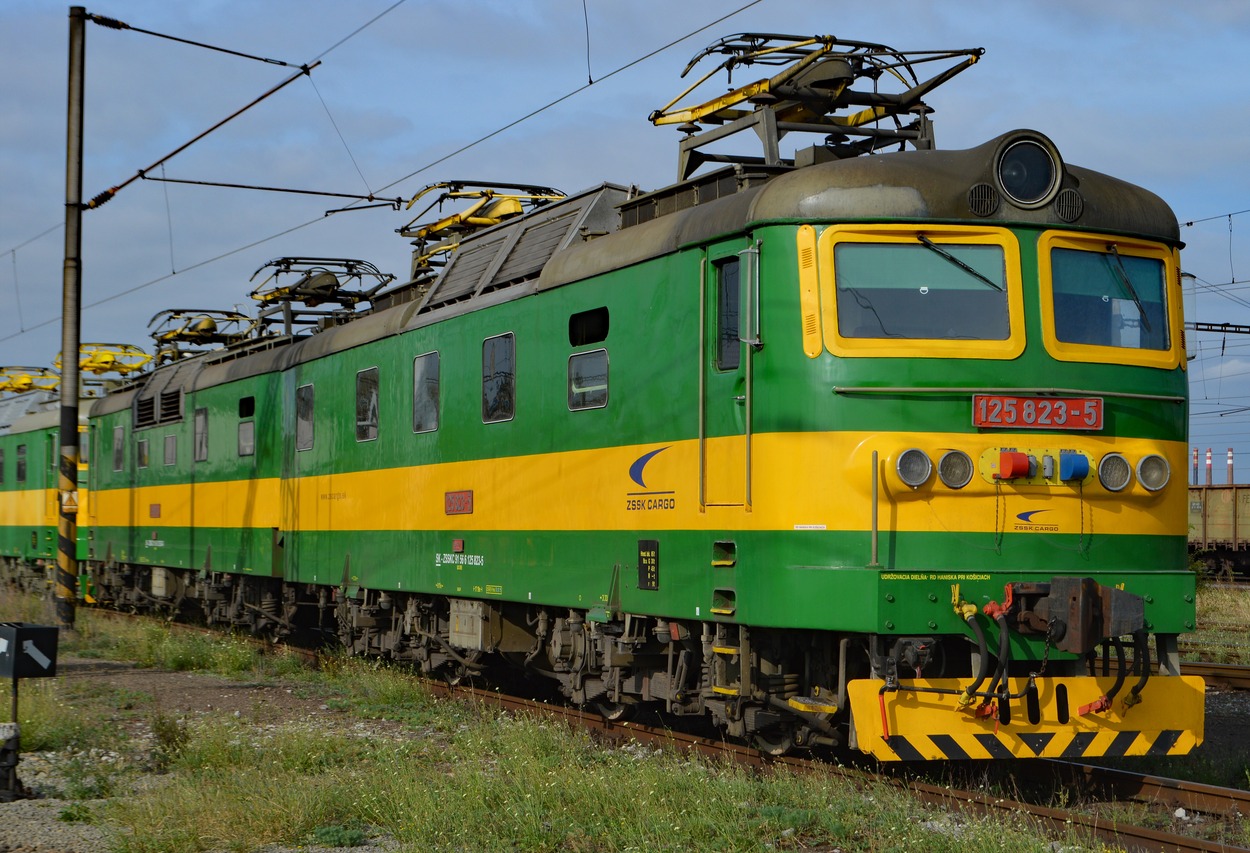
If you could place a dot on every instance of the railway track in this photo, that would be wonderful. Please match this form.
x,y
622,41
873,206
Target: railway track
x,y
1235,676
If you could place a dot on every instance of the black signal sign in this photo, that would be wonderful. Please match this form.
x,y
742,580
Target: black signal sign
x,y
27,651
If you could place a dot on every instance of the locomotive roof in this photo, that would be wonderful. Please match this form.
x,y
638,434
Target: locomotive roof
x,y
15,411
35,410
928,185
571,240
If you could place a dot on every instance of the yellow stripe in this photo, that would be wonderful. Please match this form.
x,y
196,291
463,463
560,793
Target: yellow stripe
x,y
237,504
28,508
802,481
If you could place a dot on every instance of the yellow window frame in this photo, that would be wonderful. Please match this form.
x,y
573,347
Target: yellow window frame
x,y
1008,348
1170,358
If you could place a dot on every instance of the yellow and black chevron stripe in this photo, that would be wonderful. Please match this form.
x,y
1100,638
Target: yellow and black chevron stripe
x,y
910,725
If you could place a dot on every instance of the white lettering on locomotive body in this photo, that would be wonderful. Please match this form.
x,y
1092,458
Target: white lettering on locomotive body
x,y
459,560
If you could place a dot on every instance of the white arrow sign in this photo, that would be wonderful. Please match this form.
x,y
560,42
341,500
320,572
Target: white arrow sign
x,y
40,658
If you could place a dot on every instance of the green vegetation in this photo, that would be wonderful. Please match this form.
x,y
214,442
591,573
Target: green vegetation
x,y
499,782
430,775
1223,634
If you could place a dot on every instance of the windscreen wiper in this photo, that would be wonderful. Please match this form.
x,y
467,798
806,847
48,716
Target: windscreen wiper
x,y
934,247
1122,275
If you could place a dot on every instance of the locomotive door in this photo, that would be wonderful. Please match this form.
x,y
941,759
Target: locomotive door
x,y
727,285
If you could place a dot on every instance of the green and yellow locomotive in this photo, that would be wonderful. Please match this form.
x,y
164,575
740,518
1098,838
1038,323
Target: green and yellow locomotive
x,y
871,450
30,422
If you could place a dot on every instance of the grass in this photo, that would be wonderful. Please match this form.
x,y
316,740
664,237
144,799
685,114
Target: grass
x,y
436,776
514,783
1223,634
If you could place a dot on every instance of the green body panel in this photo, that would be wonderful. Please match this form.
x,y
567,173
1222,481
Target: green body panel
x,y
250,550
247,550
555,568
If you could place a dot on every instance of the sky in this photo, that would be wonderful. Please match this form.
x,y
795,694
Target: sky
x,y
1151,91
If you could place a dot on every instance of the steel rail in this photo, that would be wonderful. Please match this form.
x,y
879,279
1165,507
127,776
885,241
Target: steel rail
x,y
1236,676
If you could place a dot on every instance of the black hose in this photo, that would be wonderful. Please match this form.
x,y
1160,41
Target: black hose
x,y
1121,669
984,652
1004,654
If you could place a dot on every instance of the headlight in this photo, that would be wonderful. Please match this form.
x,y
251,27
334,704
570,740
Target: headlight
x,y
1154,472
1114,472
1028,171
914,467
955,469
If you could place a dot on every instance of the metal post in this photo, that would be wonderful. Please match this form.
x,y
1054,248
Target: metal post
x,y
67,485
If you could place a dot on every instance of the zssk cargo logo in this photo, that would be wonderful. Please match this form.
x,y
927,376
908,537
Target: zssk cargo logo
x,y
648,499
1025,522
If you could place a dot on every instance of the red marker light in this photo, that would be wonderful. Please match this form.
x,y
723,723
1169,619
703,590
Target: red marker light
x,y
1011,465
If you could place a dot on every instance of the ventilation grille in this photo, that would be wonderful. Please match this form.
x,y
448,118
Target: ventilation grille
x,y
145,412
171,405
515,252
983,200
1069,205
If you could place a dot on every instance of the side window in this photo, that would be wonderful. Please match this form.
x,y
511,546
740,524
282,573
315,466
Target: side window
x,y
247,438
588,380
304,417
425,370
498,378
201,435
728,347
367,404
21,463
247,428
119,448
171,450
141,453
588,327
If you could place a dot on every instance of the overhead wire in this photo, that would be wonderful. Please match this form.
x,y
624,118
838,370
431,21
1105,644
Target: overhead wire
x,y
412,174
570,94
114,24
17,293
590,78
342,139
169,220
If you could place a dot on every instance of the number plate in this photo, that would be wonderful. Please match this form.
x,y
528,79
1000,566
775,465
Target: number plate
x,y
1000,411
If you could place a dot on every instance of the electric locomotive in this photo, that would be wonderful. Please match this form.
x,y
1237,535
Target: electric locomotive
x,y
29,453
869,445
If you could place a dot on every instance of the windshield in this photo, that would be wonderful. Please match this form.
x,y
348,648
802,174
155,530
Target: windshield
x,y
1109,299
926,290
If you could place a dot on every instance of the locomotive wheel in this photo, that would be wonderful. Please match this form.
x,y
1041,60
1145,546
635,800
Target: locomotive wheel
x,y
616,712
775,741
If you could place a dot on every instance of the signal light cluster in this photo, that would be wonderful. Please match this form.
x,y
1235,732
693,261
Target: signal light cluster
x,y
955,468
